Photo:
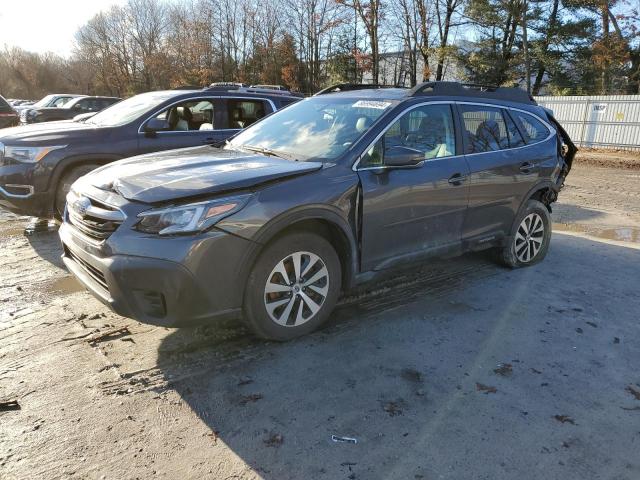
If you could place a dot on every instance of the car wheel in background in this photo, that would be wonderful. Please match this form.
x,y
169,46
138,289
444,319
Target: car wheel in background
x,y
530,237
293,287
64,185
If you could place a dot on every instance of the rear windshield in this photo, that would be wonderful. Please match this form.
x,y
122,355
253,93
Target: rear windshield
x,y
4,106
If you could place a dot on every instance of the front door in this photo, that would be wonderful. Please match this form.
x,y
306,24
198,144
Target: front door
x,y
411,210
187,124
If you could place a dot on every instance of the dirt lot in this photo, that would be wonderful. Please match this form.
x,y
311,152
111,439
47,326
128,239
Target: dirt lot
x,y
454,370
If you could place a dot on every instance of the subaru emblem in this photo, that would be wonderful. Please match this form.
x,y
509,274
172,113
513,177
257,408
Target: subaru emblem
x,y
81,205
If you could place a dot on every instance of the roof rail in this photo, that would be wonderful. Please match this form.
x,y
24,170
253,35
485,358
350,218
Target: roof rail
x,y
472,90
270,87
345,87
243,88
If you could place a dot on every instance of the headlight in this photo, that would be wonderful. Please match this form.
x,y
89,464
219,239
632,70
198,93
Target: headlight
x,y
195,217
28,154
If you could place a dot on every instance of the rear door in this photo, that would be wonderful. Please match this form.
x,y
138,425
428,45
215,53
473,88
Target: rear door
x,y
188,123
502,170
412,210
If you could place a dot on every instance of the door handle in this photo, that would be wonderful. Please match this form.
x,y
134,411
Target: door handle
x,y
457,179
527,167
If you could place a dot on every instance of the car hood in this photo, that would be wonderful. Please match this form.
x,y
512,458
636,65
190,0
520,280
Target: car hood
x,y
45,133
191,172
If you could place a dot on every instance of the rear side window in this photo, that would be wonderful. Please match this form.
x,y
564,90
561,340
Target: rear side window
x,y
484,129
242,113
515,139
533,129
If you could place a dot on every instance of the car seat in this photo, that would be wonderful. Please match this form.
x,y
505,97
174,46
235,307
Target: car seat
x,y
184,118
487,137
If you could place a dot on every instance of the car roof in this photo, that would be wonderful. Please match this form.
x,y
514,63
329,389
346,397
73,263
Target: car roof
x,y
371,94
438,91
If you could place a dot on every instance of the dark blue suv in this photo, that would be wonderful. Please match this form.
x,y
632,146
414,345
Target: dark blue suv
x,y
38,163
314,199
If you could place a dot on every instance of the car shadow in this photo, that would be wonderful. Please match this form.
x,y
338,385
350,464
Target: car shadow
x,y
568,213
393,384
42,235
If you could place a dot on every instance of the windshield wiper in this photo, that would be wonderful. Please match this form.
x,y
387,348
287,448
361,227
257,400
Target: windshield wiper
x,y
268,152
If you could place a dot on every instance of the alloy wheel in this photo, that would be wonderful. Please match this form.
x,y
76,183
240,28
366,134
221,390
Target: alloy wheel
x,y
296,289
529,238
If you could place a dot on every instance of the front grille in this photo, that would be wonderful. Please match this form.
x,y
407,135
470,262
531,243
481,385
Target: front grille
x,y
93,272
94,222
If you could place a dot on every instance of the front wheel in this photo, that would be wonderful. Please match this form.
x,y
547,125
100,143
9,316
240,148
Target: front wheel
x,y
293,287
530,236
65,185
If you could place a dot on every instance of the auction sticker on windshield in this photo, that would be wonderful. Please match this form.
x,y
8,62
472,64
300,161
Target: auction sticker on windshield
x,y
371,104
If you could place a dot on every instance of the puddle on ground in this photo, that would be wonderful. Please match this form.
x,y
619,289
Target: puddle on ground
x,y
63,286
623,234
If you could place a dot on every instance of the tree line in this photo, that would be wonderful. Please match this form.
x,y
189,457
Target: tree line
x,y
551,46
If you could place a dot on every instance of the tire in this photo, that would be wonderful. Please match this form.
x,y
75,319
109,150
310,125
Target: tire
x,y
64,185
287,311
530,236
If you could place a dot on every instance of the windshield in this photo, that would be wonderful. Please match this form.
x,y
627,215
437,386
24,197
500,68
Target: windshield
x,y
318,128
128,110
44,101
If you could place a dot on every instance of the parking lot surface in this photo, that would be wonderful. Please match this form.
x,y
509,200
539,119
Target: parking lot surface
x,y
455,369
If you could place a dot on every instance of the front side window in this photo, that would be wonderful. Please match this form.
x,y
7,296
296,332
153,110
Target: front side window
x,y
427,130
318,128
484,129
534,130
189,115
60,102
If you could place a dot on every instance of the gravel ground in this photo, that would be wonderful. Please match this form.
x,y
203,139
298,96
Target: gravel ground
x,y
453,370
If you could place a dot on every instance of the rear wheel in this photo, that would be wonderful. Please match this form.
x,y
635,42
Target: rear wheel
x,y
64,185
293,287
530,237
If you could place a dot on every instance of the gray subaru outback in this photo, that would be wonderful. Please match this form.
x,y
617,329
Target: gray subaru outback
x,y
314,199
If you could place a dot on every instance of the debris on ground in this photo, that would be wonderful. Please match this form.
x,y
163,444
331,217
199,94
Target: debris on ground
x,y
505,369
110,335
338,439
564,419
7,405
274,440
579,330
411,375
486,389
537,372
393,408
254,397
592,324
633,391
616,340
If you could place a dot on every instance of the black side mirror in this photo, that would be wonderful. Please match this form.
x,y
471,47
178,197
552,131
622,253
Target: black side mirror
x,y
155,125
401,156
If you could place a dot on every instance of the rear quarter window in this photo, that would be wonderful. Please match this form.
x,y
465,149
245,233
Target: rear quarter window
x,y
532,128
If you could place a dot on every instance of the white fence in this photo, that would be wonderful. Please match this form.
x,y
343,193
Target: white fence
x,y
605,121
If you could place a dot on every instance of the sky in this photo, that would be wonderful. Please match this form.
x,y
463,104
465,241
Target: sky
x,y
46,25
